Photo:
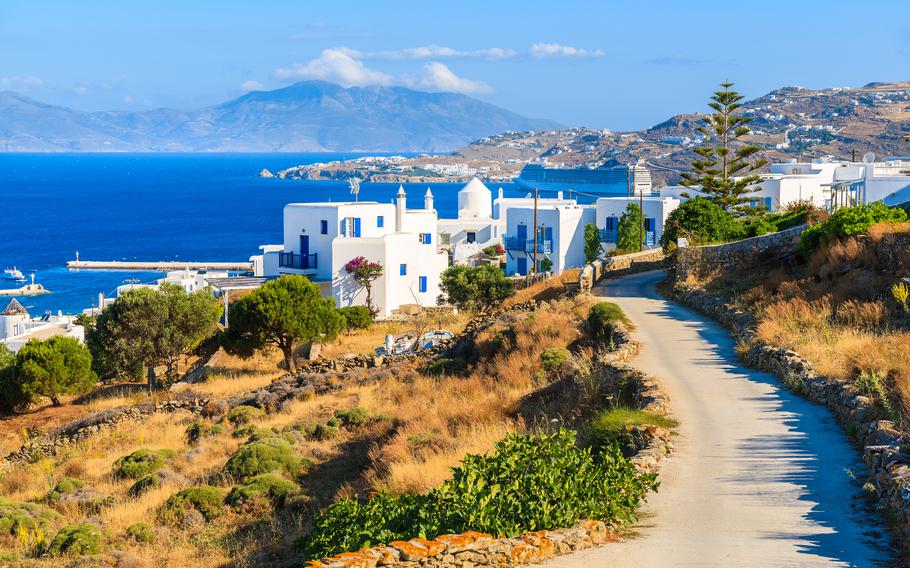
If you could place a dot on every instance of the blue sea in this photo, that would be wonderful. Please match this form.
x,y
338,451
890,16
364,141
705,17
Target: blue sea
x,y
193,207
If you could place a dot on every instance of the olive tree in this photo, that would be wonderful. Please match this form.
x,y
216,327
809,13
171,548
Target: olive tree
x,y
51,368
471,288
282,313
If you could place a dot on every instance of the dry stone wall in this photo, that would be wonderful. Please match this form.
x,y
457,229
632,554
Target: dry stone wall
x,y
883,445
697,262
643,261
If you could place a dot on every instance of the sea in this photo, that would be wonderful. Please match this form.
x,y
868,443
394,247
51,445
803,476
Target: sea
x,y
152,207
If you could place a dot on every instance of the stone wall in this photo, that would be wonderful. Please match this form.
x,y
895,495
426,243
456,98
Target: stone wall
x,y
642,261
698,262
879,439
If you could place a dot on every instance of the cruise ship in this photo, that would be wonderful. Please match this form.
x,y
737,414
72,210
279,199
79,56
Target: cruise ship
x,y
616,180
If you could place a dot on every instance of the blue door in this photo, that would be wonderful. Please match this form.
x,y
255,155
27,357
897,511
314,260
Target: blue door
x,y
423,284
522,233
522,265
304,251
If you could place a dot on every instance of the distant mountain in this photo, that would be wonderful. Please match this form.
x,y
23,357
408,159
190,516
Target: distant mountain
x,y
310,116
790,122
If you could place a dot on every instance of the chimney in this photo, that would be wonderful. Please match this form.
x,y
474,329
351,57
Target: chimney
x,y
428,200
400,206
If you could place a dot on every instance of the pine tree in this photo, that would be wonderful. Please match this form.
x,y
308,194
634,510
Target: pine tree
x,y
724,169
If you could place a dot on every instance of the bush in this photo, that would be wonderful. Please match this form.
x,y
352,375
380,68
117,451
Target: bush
x,y
26,521
529,483
473,288
553,358
200,429
446,366
701,221
847,222
76,540
613,426
207,500
252,432
140,463
263,456
353,417
356,317
244,414
629,232
267,486
145,483
140,532
65,486
325,431
47,368
602,319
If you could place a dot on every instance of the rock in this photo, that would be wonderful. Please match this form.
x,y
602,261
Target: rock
x,y
264,173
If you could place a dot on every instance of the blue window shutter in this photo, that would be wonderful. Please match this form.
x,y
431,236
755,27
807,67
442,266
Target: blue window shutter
x,y
324,227
380,221
403,271
356,226
768,203
548,234
423,283
428,239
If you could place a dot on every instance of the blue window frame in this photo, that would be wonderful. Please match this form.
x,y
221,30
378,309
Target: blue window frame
x,y
380,221
356,226
427,238
423,283
324,227
403,270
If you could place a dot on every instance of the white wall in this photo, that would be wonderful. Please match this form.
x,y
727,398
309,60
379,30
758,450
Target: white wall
x,y
568,223
657,208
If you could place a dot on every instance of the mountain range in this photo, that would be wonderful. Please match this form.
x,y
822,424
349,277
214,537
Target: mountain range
x,y
310,116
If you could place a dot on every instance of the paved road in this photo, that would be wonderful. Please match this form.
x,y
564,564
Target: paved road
x,y
759,477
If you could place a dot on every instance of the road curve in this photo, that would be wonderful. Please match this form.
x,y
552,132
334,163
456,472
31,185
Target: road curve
x,y
759,476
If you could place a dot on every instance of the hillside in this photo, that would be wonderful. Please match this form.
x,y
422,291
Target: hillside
x,y
310,116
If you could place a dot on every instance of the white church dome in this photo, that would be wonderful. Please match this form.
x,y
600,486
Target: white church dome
x,y
475,200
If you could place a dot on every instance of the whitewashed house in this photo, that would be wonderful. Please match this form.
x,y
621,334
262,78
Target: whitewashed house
x,y
17,327
320,238
560,239
655,211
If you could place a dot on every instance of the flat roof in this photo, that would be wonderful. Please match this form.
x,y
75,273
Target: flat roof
x,y
236,282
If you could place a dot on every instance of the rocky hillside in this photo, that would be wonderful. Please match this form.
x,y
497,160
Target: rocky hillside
x,y
788,123
311,116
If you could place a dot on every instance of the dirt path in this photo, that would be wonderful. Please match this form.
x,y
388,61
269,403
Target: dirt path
x,y
760,477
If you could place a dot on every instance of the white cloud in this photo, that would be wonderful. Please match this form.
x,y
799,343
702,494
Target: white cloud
x,y
21,83
557,50
337,66
81,90
248,86
433,52
438,77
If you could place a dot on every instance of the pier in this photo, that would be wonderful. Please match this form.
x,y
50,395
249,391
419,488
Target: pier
x,y
156,266
27,290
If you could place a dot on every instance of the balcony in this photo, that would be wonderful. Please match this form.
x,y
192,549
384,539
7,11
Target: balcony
x,y
298,261
544,246
609,236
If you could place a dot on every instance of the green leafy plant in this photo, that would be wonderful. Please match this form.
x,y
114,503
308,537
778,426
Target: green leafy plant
x,y
474,288
353,417
200,429
244,414
356,317
552,358
265,487
264,456
140,532
629,232
592,243
365,272
701,221
616,426
207,500
140,463
27,522
446,366
602,320
75,540
901,292
847,222
48,368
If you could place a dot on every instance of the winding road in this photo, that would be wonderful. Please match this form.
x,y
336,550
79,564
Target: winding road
x,y
759,476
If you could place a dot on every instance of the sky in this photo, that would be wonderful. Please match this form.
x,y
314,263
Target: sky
x,y
601,64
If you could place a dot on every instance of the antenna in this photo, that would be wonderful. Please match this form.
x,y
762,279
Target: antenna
x,y
354,184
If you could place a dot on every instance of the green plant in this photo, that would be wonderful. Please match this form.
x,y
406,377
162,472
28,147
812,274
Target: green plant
x,y
326,431
140,463
76,540
64,486
264,456
26,522
446,366
356,317
282,313
871,383
472,288
847,222
140,532
364,272
244,414
145,483
701,221
353,417
592,243
207,500
200,429
724,170
630,230
901,293
266,486
617,426
252,432
546,265
602,320
552,358
528,483
48,368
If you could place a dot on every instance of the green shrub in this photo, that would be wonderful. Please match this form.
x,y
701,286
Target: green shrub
x,y
145,483
356,317
140,463
529,483
263,456
474,288
353,417
613,426
207,500
76,540
553,358
602,319
140,532
326,431
266,486
26,521
847,222
446,366
701,221
65,486
200,429
244,414
252,432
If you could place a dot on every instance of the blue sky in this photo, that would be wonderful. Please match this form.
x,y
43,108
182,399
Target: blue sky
x,y
618,65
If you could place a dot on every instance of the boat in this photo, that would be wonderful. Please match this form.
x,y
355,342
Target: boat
x,y
608,180
13,274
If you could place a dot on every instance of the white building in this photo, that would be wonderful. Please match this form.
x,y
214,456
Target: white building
x,y
18,328
320,238
560,237
655,211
